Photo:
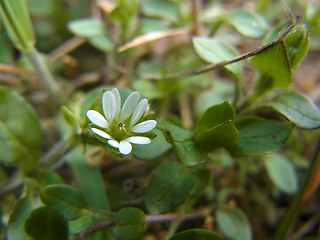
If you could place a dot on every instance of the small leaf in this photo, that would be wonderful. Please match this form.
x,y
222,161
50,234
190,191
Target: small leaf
x,y
182,140
94,189
169,187
87,27
21,211
274,66
196,234
162,9
234,223
147,89
129,224
155,149
19,130
102,43
212,50
46,223
297,43
65,199
248,23
259,136
296,107
282,173
216,128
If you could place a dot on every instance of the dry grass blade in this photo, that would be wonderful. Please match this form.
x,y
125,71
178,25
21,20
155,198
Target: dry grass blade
x,y
150,37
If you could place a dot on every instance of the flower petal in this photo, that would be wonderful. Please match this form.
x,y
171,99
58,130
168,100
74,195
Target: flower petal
x,y
113,143
109,105
139,140
117,99
139,111
125,147
129,105
101,133
143,127
97,119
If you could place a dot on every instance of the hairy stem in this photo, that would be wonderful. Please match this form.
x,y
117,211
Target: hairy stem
x,y
44,75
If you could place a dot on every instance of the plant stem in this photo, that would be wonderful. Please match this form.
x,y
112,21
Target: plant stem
x,y
44,75
294,206
212,66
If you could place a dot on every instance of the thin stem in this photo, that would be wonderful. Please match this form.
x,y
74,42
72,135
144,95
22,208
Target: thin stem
x,y
148,218
44,75
294,206
213,66
196,22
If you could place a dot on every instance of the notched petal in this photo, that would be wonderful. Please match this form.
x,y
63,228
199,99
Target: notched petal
x,y
145,126
97,119
114,143
129,105
117,99
101,133
139,140
139,111
125,147
108,105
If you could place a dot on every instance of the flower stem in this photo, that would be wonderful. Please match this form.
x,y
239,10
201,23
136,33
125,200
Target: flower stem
x,y
295,204
44,75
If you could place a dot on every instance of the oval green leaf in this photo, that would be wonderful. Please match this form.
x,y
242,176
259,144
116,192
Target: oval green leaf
x,y
65,199
259,136
275,69
46,223
19,130
196,234
216,128
296,107
129,224
187,149
87,27
162,9
155,149
282,173
248,23
297,43
234,223
212,50
102,43
169,187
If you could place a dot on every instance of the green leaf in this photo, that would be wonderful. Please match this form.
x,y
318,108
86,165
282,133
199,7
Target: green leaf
x,y
297,43
274,67
87,27
148,89
196,234
234,223
102,43
94,189
67,200
18,24
165,9
48,177
129,224
203,178
216,128
187,149
21,211
259,136
296,107
282,173
248,23
155,149
168,188
20,130
46,223
212,50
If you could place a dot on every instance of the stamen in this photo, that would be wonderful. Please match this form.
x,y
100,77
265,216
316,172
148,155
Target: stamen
x,y
121,124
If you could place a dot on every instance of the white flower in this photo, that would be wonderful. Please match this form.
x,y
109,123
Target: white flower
x,y
118,125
